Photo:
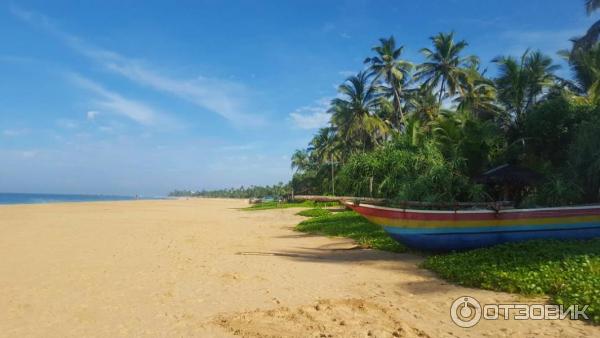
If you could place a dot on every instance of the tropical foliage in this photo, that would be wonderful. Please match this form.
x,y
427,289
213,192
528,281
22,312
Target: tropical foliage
x,y
407,130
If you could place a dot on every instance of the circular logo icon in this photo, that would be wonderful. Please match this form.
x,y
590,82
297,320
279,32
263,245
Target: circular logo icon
x,y
465,312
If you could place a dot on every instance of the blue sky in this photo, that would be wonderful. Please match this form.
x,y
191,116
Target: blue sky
x,y
125,97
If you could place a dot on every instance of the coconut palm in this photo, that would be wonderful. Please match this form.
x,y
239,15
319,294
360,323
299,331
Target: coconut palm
x,y
521,82
325,150
324,145
591,6
423,104
585,67
300,160
478,93
394,72
591,36
353,113
443,67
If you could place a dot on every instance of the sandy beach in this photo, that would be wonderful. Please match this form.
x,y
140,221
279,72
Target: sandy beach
x,y
204,268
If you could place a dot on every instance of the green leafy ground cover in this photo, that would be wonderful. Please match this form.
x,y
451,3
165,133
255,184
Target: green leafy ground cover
x,y
282,205
352,225
316,212
567,271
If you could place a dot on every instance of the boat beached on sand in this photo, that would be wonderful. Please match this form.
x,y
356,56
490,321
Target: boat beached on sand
x,y
447,230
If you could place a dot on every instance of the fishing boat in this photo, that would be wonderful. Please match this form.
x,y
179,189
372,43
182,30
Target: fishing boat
x,y
447,230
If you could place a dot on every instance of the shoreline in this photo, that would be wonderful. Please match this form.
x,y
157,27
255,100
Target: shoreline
x,y
36,199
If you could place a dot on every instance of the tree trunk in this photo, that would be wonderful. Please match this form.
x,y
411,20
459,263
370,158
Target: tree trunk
x,y
400,116
442,90
332,176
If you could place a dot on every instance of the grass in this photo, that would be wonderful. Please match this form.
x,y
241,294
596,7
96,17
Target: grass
x,y
352,225
316,212
283,205
567,271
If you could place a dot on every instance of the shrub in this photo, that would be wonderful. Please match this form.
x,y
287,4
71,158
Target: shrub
x,y
403,172
584,156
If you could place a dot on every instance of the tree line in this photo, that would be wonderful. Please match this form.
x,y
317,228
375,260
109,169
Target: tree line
x,y
408,131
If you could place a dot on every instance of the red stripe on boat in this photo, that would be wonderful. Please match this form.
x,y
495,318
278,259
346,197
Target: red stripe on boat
x,y
472,216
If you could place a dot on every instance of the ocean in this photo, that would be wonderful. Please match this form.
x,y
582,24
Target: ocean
x,y
19,198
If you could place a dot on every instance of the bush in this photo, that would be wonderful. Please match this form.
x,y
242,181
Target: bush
x,y
551,126
557,191
585,159
403,172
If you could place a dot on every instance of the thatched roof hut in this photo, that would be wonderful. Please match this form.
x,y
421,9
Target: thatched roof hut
x,y
509,175
509,182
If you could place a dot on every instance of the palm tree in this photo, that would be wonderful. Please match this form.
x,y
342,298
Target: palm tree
x,y
541,70
324,145
591,36
353,114
585,66
423,103
300,160
591,6
521,82
324,148
478,93
393,71
443,65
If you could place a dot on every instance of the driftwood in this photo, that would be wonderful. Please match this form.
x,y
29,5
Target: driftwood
x,y
406,204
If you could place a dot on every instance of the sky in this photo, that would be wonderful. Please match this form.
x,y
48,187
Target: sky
x,y
143,97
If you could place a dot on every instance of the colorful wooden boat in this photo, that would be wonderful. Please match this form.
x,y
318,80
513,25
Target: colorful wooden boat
x,y
436,230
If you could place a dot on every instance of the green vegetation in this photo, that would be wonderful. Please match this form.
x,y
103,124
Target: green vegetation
x,y
276,190
350,224
389,136
283,205
569,272
316,212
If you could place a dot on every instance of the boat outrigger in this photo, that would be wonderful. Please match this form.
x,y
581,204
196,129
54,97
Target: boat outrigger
x,y
437,230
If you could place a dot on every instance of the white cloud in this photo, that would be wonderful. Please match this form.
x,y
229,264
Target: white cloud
x,y
346,73
223,97
548,41
115,103
67,124
106,129
14,132
238,147
29,153
92,114
227,98
314,116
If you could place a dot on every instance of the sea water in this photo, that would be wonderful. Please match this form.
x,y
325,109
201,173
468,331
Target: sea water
x,y
22,198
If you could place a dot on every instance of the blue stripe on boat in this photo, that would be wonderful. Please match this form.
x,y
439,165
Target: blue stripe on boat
x,y
500,228
465,241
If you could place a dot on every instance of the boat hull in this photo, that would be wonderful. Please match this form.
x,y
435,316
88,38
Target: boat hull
x,y
463,230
